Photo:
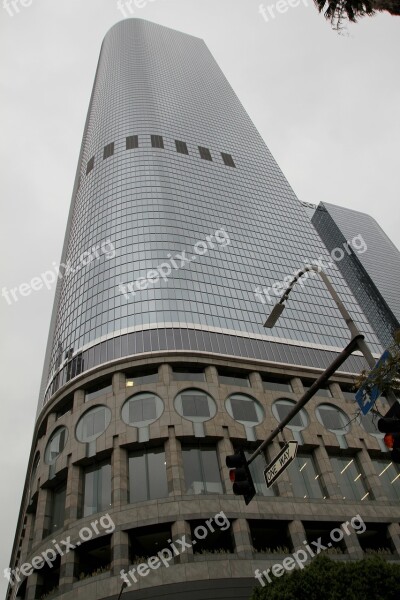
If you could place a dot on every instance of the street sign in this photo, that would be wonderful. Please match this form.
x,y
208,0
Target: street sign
x,y
366,396
279,464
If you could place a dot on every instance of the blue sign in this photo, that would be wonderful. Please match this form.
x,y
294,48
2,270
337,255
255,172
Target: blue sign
x,y
367,396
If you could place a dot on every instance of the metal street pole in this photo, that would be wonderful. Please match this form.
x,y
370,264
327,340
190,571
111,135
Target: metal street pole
x,y
333,367
354,331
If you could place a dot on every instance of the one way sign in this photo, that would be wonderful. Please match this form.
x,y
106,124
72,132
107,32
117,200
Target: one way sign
x,y
279,464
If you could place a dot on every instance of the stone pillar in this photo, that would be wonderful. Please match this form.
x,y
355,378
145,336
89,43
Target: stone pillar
x,y
394,535
31,586
378,493
325,468
242,535
118,383
119,477
173,458
353,545
68,571
72,494
180,529
256,381
297,534
79,399
297,386
43,515
120,552
224,449
165,374
211,375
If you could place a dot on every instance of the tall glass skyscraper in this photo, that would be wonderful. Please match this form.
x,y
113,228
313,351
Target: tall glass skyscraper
x,y
181,233
373,275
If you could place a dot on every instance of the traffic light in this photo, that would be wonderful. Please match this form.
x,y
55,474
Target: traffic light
x,y
390,425
240,475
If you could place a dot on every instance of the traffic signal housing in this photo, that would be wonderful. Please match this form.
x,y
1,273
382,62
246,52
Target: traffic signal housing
x,y
390,426
240,476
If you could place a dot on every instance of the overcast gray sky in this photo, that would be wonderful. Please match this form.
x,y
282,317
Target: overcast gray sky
x,y
326,105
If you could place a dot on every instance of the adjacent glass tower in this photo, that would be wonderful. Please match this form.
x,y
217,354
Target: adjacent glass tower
x,y
181,233
374,274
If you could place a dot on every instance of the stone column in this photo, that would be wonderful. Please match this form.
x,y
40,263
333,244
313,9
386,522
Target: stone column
x,y
394,534
211,375
378,493
224,449
325,468
119,477
180,529
297,534
72,494
256,381
173,458
43,515
120,552
242,535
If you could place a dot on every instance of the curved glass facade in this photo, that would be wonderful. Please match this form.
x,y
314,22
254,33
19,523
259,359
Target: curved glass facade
x,y
179,215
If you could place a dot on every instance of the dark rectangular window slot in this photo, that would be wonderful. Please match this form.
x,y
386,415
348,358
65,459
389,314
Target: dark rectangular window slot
x,y
195,406
181,147
132,141
108,150
157,141
228,160
90,165
205,153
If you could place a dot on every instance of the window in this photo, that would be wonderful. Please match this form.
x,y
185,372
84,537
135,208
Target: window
x,y
389,477
92,557
324,391
97,488
195,405
233,378
147,541
228,160
321,530
132,141
375,538
55,445
244,409
276,385
212,538
281,409
201,469
90,165
189,373
142,409
64,407
181,147
348,392
270,537
334,420
147,475
141,377
305,478
58,507
108,150
205,153
99,389
157,141
350,479
93,423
